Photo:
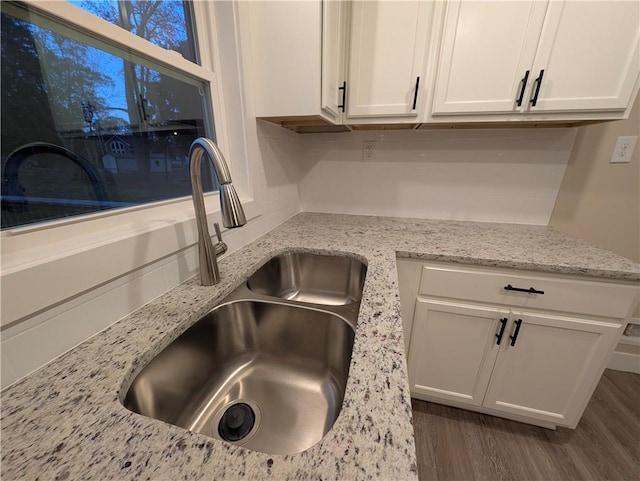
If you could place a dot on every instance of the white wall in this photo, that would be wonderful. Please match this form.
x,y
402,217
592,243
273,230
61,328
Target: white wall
x,y
600,201
491,175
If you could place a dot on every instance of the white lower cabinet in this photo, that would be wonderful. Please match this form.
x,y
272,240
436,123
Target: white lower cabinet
x,y
531,365
453,350
550,369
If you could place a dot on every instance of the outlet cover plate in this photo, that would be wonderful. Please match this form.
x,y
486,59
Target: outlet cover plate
x,y
624,149
368,151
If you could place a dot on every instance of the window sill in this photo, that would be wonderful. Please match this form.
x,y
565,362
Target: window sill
x,y
42,267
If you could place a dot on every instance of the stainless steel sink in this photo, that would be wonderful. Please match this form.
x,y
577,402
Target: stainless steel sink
x,y
312,278
270,376
266,369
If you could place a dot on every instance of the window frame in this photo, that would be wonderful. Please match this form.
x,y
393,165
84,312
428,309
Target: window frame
x,y
46,263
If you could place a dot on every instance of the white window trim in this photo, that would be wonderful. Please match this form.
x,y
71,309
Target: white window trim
x,y
47,263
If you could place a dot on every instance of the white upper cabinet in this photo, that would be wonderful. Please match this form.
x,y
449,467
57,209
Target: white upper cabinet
x,y
572,59
590,54
387,59
295,60
348,63
486,49
334,18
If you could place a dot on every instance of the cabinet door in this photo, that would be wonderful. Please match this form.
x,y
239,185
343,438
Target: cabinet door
x,y
285,56
386,56
552,369
487,47
590,54
453,349
333,50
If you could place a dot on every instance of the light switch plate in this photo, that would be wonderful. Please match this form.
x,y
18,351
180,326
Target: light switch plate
x,y
624,149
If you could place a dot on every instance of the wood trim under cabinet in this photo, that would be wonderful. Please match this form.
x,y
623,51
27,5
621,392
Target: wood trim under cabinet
x,y
311,124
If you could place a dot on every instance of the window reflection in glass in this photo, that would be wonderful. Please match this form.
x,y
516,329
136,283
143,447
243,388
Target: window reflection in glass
x,y
130,125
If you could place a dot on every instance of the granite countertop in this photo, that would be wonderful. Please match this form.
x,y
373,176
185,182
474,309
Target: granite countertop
x,y
65,421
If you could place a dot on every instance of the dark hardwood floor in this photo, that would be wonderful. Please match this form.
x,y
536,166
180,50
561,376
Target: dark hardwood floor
x,y
454,444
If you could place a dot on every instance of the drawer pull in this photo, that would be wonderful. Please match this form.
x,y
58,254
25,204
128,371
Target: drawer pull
x,y
503,321
531,290
513,338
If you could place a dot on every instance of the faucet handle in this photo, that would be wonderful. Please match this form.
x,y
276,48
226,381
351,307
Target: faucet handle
x,y
216,226
220,247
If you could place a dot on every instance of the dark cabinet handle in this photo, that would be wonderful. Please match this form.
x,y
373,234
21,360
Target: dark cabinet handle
x,y
513,338
415,94
503,323
344,95
538,82
531,290
524,86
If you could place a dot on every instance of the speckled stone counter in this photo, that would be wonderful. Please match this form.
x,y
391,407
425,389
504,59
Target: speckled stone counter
x,y
66,421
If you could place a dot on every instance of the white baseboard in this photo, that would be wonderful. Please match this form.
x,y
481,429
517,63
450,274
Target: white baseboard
x,y
624,361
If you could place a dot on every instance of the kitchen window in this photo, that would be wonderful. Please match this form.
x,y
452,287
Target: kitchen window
x,y
138,129
125,122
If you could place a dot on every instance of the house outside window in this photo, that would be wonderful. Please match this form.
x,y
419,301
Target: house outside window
x,y
117,147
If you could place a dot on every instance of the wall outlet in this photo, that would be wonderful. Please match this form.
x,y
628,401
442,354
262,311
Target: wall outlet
x,y
368,151
624,149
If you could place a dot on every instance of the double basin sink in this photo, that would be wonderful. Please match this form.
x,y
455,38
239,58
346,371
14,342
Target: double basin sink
x,y
267,368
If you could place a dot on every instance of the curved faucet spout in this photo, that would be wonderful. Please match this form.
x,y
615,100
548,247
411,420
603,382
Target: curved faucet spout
x,y
232,212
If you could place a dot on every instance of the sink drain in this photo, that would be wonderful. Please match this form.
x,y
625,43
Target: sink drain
x,y
236,422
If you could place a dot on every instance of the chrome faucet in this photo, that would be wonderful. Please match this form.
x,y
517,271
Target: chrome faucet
x,y
232,212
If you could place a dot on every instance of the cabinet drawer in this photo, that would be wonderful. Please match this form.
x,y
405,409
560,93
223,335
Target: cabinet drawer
x,y
560,294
